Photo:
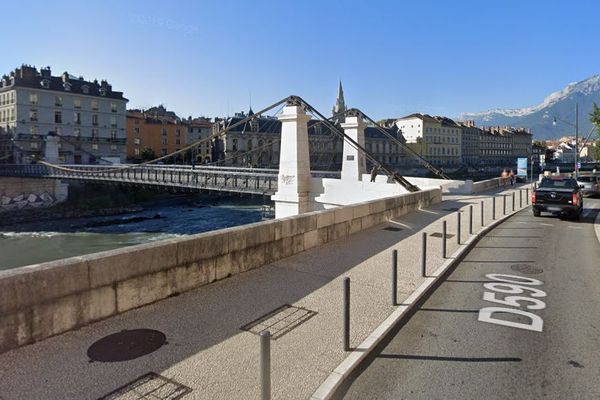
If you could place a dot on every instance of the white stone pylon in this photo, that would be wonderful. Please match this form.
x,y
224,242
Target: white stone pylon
x,y
293,183
51,150
354,164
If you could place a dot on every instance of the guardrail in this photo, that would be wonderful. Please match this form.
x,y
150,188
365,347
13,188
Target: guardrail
x,y
217,180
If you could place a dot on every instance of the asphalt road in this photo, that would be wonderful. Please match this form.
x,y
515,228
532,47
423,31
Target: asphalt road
x,y
448,351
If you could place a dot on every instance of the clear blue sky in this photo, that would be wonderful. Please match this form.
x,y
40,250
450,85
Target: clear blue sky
x,y
393,57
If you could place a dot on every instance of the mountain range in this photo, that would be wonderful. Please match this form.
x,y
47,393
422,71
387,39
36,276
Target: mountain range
x,y
539,118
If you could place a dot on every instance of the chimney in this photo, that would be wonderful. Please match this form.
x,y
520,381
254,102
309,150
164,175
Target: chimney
x,y
65,77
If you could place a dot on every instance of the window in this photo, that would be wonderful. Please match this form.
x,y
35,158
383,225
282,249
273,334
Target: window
x,y
95,119
76,103
77,118
163,152
94,146
136,151
113,107
33,129
177,132
58,117
113,121
177,141
33,116
58,130
137,141
94,133
85,89
113,134
58,101
33,98
77,132
113,147
164,140
95,105
33,145
164,131
136,130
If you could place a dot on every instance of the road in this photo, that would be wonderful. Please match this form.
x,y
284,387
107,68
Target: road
x,y
550,350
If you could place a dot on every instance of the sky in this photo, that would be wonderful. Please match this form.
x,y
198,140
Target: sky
x,y
214,58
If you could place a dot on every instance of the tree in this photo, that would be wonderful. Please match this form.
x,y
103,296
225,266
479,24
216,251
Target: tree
x,y
595,119
148,154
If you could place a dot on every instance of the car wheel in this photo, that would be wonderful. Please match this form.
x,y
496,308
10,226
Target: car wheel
x,y
536,213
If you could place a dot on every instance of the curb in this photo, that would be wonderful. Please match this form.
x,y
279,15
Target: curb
x,y
336,378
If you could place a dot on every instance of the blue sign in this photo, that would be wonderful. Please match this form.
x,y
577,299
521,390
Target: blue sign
x,y
522,166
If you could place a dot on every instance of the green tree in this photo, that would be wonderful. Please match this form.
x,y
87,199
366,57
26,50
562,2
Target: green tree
x,y
595,119
148,154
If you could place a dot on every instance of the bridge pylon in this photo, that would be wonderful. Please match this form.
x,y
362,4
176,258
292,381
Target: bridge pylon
x,y
293,182
354,164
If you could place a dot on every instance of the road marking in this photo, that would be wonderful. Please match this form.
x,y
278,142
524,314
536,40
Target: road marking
x,y
574,227
513,284
544,224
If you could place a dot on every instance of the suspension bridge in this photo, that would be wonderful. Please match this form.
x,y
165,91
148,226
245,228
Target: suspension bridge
x,y
294,159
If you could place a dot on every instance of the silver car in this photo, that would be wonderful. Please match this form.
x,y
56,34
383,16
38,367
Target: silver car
x,y
589,184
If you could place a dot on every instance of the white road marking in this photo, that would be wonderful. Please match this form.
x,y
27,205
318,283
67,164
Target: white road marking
x,y
574,227
543,224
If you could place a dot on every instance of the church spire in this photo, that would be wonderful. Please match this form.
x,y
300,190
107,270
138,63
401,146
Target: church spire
x,y
340,105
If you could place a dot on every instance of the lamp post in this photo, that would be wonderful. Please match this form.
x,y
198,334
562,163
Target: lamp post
x,y
576,126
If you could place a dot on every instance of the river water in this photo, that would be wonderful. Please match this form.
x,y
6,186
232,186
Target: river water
x,y
37,242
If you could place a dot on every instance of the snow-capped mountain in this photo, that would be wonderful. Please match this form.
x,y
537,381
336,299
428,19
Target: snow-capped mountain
x,y
539,118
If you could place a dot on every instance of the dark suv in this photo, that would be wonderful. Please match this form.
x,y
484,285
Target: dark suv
x,y
558,194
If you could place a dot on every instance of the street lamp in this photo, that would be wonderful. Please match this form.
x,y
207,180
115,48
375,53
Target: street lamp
x,y
576,126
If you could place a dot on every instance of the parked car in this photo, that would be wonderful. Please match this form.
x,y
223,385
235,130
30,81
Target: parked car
x,y
558,195
589,184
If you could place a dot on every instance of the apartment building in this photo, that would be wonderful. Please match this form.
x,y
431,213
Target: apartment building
x,y
163,133
437,139
87,116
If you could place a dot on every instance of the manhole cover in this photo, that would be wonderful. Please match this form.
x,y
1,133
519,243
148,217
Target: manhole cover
x,y
392,229
280,321
150,386
126,345
439,235
526,268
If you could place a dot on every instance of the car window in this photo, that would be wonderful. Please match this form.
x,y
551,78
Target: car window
x,y
558,183
586,179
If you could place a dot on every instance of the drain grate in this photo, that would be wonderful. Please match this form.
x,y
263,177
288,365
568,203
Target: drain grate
x,y
392,229
439,235
150,386
126,345
526,268
280,321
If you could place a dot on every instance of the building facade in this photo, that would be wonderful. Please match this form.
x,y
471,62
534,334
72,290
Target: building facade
x,y
437,139
87,116
153,134
470,143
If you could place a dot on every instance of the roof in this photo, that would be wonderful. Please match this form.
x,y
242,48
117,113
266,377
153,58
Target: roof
x,y
27,76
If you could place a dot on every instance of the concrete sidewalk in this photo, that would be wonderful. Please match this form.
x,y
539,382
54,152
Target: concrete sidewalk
x,y
209,353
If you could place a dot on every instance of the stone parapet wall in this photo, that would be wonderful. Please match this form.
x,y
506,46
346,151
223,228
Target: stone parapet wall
x,y
21,193
488,184
43,300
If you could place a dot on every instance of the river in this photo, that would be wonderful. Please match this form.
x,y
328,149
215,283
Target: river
x,y
37,242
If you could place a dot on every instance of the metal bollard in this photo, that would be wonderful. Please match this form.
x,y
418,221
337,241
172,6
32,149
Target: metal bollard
x,y
504,204
424,256
520,198
494,207
513,201
346,314
394,277
527,196
470,220
482,219
265,365
458,227
444,226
